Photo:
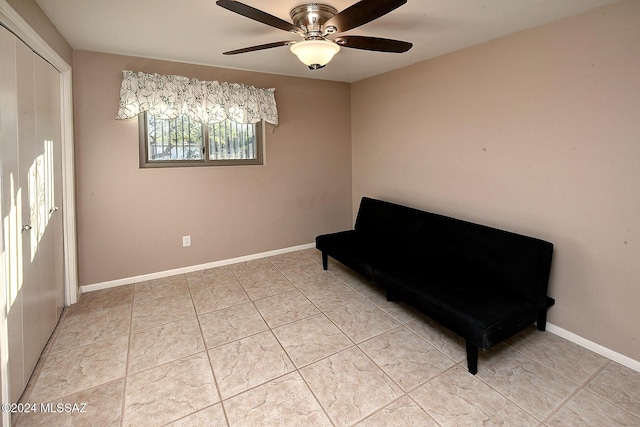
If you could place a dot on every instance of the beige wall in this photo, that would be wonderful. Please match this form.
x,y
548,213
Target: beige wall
x,y
538,133
38,20
131,220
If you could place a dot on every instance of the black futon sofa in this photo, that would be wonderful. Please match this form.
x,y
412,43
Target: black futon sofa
x,y
482,283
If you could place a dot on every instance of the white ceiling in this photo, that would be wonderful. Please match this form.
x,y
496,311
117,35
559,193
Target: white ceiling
x,y
198,31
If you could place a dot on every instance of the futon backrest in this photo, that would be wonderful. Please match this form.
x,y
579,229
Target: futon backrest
x,y
517,263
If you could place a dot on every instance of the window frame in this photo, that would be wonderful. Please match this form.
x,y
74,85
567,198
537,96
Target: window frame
x,y
143,143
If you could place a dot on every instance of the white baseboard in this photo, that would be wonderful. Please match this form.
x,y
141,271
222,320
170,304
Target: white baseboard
x,y
596,348
183,270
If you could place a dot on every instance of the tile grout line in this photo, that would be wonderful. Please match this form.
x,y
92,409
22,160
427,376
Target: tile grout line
x,y
126,367
357,345
206,350
299,368
439,374
606,399
296,368
580,388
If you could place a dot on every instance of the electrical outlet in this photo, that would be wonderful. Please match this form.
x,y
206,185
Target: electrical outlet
x,y
186,241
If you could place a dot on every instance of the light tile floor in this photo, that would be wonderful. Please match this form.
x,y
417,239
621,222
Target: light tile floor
x,y
279,341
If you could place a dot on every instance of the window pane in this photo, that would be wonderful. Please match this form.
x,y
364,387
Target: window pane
x,y
174,139
232,141
181,142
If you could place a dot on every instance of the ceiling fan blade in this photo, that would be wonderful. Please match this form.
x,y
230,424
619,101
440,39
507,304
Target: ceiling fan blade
x,y
374,43
258,47
362,12
257,15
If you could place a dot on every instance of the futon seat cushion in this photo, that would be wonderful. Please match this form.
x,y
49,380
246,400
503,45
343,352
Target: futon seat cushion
x,y
473,307
351,248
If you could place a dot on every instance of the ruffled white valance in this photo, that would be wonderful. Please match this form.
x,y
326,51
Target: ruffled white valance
x,y
167,97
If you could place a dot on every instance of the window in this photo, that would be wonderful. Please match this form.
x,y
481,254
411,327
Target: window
x,y
185,142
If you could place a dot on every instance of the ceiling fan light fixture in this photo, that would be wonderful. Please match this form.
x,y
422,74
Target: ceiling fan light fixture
x,y
315,53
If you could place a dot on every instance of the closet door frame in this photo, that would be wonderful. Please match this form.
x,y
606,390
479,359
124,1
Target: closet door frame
x,y
16,24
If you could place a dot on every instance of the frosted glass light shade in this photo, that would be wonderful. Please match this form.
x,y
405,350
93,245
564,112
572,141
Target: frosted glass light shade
x,y
315,52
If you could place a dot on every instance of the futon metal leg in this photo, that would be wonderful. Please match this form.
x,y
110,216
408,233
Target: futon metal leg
x,y
541,323
325,261
472,358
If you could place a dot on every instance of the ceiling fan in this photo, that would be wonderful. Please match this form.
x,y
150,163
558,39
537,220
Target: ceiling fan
x,y
316,22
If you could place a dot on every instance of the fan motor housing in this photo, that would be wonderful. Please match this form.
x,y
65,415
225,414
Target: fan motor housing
x,y
310,17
